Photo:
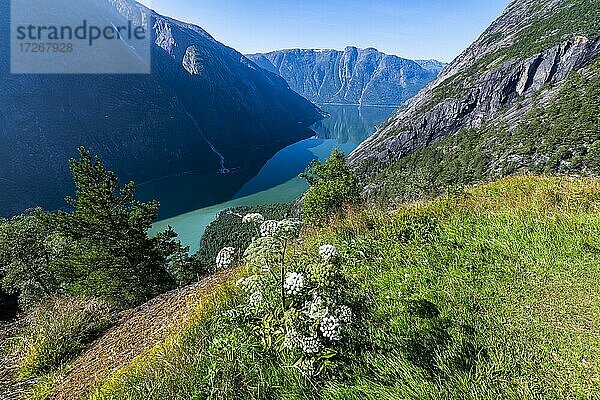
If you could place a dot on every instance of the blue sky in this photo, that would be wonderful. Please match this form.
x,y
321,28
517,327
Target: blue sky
x,y
416,29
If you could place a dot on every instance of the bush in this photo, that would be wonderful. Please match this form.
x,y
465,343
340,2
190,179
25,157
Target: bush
x,y
229,231
56,330
28,244
332,186
296,306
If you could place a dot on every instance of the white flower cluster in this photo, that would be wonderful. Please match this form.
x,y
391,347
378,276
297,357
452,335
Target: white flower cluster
x,y
310,344
328,251
292,339
331,328
254,218
256,299
288,229
269,228
294,283
263,252
344,314
251,284
307,368
316,308
225,258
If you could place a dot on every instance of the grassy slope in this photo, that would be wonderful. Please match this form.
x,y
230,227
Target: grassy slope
x,y
493,293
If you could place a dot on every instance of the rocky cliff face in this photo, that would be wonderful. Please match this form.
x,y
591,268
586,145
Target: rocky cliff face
x,y
205,108
352,76
523,59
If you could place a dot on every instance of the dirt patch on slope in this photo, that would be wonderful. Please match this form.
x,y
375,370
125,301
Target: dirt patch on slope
x,y
136,332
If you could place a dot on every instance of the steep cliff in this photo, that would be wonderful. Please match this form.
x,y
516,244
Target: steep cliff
x,y
204,108
352,76
495,109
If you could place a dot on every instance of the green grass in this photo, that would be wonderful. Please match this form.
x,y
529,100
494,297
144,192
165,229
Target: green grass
x,y
490,294
55,331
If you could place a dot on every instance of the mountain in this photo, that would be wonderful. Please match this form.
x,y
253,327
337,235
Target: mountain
x,y
204,108
523,98
352,76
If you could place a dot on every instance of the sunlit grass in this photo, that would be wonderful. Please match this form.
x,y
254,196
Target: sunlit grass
x,y
493,293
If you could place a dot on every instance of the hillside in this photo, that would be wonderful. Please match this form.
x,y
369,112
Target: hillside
x,y
352,76
522,98
490,294
205,108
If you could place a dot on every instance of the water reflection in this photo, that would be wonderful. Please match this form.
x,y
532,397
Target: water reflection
x,y
275,182
350,124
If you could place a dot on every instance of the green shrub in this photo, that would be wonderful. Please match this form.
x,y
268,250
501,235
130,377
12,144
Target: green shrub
x,y
56,330
228,231
332,186
27,246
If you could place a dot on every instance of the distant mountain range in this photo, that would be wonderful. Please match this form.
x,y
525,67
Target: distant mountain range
x,y
205,108
352,76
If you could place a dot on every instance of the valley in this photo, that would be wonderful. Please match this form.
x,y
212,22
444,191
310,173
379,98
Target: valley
x,y
189,203
307,223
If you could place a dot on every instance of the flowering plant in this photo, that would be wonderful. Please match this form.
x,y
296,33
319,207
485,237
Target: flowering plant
x,y
294,302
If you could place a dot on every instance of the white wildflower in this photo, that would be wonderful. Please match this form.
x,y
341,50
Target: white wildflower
x,y
288,229
292,340
294,283
310,344
307,368
331,328
225,257
262,252
251,284
253,218
269,228
256,299
328,251
316,308
344,314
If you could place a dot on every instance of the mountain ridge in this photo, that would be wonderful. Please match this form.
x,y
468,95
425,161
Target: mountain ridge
x,y
144,126
513,69
351,76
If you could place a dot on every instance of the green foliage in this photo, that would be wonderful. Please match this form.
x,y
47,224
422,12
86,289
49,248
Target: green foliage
x,y
332,186
561,137
296,303
115,259
56,330
228,231
28,245
490,294
99,249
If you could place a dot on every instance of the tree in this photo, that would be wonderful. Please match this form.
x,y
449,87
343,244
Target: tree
x,y
332,186
28,246
115,259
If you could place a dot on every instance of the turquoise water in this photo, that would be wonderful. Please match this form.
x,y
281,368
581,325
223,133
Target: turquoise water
x,y
276,182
